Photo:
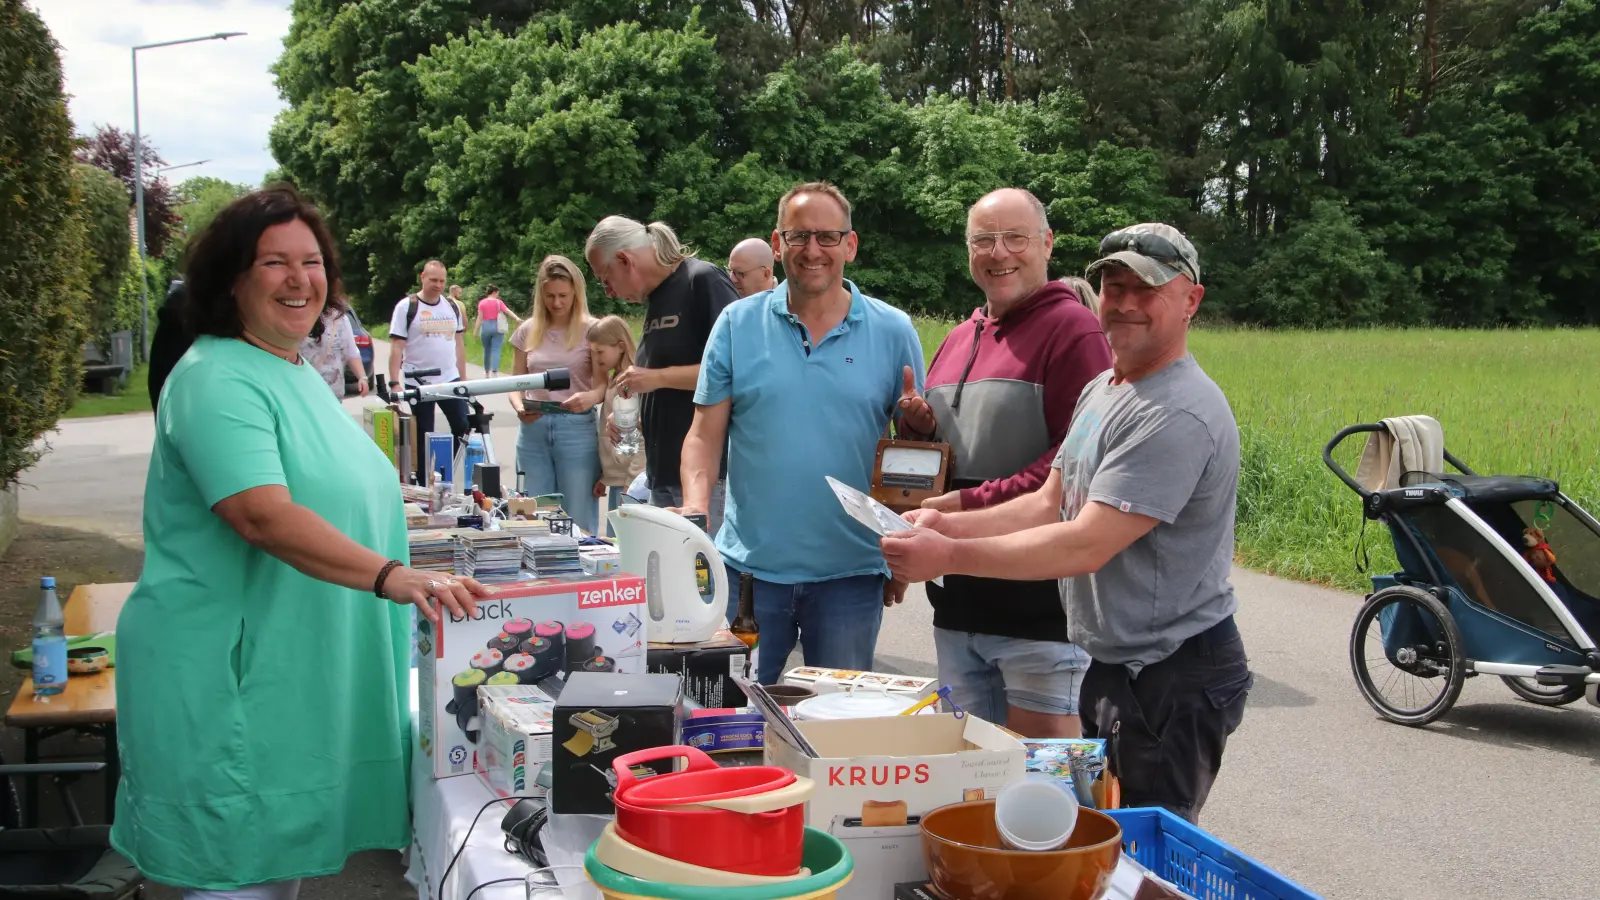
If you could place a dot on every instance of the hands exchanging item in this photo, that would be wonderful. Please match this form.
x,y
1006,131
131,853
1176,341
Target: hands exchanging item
x,y
429,591
635,380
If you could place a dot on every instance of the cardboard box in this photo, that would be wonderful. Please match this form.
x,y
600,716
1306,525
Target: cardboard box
x,y
708,668
876,778
589,619
405,461
380,424
516,739
599,717
828,681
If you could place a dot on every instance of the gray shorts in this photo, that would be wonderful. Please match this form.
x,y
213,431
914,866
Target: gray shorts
x,y
985,672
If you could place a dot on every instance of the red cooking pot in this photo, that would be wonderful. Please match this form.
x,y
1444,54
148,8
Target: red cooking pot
x,y
669,823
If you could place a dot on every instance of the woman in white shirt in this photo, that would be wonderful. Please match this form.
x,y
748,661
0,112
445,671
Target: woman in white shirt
x,y
330,353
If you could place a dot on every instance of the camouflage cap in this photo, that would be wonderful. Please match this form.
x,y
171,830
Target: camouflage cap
x,y
1155,252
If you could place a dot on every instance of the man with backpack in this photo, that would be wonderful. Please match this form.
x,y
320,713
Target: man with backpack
x,y
426,332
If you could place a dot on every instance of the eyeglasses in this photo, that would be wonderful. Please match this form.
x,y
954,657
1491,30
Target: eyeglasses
x,y
1013,241
1152,245
824,238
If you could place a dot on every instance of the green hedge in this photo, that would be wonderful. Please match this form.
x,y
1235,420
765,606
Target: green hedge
x,y
111,249
44,258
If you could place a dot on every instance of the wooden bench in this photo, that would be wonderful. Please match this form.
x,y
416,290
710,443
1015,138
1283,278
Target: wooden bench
x,y
88,705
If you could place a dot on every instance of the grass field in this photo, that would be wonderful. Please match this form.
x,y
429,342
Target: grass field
x,y
1511,402
134,397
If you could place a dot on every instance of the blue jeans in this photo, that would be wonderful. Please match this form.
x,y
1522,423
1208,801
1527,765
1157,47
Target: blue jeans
x,y
491,347
985,672
673,496
558,453
836,621
613,500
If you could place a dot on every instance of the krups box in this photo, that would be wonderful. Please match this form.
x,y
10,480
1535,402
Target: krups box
x,y
601,716
525,632
708,668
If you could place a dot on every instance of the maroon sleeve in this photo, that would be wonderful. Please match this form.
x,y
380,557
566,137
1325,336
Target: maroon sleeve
x,y
1073,363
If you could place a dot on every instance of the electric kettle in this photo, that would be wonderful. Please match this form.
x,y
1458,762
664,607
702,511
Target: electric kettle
x,y
685,583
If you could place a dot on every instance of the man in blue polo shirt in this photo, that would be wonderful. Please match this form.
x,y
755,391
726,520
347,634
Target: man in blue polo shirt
x,y
803,380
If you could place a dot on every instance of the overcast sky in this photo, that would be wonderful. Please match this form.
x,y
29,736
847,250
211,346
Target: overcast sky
x,y
211,100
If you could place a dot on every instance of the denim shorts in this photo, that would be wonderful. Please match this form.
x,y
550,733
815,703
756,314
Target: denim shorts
x,y
985,672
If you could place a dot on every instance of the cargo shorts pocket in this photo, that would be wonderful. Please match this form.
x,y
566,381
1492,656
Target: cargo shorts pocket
x,y
1227,696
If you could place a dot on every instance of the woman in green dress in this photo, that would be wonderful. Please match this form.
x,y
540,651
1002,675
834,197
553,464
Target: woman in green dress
x,y
262,687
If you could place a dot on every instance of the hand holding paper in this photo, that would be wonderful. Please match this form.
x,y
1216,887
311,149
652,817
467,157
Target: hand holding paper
x,y
877,517
920,554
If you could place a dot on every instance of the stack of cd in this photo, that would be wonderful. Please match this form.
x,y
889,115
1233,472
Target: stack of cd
x,y
434,551
551,556
489,556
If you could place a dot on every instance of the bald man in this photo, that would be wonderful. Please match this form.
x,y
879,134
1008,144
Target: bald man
x,y
426,332
750,267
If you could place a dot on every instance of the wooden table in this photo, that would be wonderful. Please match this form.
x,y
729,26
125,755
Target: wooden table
x,y
89,704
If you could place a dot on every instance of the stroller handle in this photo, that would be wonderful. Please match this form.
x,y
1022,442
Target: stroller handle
x,y
1338,438
1347,478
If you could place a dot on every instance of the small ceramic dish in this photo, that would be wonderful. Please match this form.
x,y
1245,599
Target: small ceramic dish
x,y
87,660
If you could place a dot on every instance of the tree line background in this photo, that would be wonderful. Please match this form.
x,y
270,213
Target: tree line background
x,y
1338,163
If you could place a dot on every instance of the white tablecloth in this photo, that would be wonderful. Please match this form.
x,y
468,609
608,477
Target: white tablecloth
x,y
442,813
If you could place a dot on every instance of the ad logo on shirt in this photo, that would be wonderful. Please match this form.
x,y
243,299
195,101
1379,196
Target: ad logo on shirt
x,y
660,324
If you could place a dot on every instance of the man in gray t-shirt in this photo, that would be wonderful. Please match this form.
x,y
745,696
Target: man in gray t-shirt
x,y
1136,521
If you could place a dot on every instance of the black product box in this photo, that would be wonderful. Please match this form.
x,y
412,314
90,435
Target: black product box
x,y
707,668
599,717
916,890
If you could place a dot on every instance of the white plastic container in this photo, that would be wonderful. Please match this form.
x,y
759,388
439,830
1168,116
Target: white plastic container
x,y
853,705
1035,814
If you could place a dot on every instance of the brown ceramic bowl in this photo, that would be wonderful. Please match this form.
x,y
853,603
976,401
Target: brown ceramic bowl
x,y
966,860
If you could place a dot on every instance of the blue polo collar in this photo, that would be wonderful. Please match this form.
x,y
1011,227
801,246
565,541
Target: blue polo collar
x,y
778,303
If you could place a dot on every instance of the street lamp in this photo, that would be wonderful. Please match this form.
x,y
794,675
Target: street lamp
x,y
199,162
138,179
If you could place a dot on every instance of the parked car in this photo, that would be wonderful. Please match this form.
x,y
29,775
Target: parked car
x,y
364,344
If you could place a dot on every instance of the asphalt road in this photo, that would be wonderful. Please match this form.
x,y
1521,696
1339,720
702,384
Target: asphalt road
x,y
1500,799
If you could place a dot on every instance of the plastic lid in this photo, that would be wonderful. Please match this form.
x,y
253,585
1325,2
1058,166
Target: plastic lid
x,y
48,581
854,705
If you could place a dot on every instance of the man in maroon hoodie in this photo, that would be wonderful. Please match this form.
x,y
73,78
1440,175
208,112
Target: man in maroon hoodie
x,y
1003,387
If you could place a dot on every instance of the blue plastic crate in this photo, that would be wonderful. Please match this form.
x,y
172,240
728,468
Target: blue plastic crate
x,y
1198,863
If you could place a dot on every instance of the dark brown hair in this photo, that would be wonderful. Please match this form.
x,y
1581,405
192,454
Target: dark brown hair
x,y
227,249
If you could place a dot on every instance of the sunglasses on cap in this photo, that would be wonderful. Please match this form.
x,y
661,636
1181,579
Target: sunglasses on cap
x,y
1145,244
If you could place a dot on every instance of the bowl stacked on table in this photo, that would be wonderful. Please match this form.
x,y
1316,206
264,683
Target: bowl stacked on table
x,y
710,830
969,860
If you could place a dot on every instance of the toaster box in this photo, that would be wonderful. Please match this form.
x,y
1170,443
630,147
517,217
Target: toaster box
x,y
830,681
599,717
524,632
514,746
708,668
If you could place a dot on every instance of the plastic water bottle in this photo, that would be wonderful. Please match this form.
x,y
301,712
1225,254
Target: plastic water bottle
x,y
471,459
625,413
49,642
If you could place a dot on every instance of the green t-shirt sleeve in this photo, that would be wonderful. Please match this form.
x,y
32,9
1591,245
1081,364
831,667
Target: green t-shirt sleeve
x,y
224,430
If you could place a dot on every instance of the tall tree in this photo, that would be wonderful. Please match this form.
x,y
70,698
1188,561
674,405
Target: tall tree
x,y
111,149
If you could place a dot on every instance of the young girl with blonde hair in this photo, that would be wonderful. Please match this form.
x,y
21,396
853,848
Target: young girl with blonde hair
x,y
612,348
556,448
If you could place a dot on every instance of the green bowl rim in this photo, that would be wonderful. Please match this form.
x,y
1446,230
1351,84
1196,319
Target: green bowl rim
x,y
609,879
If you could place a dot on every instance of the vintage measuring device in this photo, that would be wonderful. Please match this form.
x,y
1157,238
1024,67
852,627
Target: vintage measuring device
x,y
905,473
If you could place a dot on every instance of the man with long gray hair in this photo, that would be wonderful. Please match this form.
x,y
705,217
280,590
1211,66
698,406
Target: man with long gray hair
x,y
683,297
